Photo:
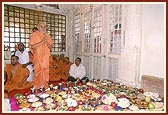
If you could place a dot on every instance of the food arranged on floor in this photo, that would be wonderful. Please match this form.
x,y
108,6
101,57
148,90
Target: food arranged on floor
x,y
95,95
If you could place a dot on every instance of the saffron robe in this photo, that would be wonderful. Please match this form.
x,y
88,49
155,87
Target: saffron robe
x,y
65,70
40,59
55,69
14,80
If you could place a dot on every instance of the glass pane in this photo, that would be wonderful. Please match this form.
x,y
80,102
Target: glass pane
x,y
27,35
22,25
16,19
26,15
23,40
12,40
22,30
18,39
17,25
5,18
26,25
11,14
31,21
36,17
16,34
12,44
26,11
12,48
23,35
11,19
21,10
22,20
21,15
6,39
12,35
17,9
6,33
16,29
27,30
11,8
27,40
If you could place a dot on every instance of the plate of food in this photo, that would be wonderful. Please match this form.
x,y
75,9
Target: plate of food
x,y
25,105
25,109
19,96
36,104
31,96
55,87
44,95
50,106
33,99
48,100
62,108
39,109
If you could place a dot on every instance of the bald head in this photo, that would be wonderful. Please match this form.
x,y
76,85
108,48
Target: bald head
x,y
14,60
42,27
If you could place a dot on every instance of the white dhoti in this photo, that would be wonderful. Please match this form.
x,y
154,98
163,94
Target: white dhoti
x,y
31,74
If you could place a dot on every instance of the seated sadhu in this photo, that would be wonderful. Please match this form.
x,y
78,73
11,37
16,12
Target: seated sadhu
x,y
55,70
66,68
16,76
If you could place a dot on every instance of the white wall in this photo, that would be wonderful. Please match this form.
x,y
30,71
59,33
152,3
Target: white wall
x,y
153,41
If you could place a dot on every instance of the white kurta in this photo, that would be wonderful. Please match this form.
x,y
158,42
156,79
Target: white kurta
x,y
79,71
23,59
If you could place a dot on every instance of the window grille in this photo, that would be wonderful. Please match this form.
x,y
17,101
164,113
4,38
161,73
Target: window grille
x,y
87,32
19,22
77,32
97,30
115,28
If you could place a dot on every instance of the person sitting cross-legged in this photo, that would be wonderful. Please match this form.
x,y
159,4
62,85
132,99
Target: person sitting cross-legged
x,y
16,76
65,68
55,70
77,71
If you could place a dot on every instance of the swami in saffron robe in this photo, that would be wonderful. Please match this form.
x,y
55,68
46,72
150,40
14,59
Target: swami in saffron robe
x,y
40,58
14,80
55,69
65,71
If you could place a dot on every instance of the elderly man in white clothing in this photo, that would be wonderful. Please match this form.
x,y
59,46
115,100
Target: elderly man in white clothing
x,y
24,59
77,71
